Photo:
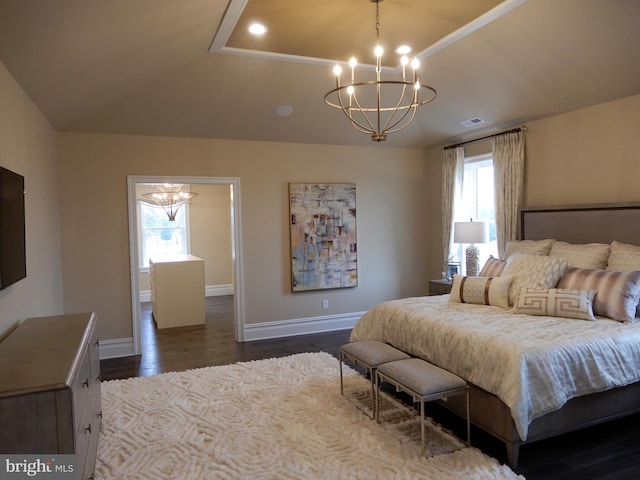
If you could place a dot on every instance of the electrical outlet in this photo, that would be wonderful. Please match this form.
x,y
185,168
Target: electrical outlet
x,y
325,304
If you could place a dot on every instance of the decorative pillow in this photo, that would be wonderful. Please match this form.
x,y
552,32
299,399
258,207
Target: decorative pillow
x,y
623,257
556,302
493,267
590,255
481,290
537,271
533,247
617,293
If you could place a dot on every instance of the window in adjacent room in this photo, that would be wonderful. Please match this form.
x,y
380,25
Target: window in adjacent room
x,y
159,236
477,203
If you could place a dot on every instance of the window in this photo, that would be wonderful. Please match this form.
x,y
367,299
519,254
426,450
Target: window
x,y
478,203
158,236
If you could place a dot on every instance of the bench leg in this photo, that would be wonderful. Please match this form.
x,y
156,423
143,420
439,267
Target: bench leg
x,y
341,359
422,426
468,420
370,371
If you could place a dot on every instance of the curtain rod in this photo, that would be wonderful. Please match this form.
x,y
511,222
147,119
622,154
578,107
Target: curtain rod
x,y
513,130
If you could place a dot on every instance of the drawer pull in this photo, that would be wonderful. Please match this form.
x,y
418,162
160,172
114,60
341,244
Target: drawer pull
x,y
97,343
100,414
87,429
86,383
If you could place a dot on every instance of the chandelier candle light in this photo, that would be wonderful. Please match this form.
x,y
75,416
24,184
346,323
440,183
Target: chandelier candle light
x,y
170,197
366,108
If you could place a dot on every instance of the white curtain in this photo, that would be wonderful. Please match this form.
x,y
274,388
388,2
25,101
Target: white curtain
x,y
508,167
452,175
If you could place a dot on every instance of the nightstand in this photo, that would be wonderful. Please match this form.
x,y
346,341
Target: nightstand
x,y
439,287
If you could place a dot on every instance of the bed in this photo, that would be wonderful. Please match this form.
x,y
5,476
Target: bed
x,y
550,374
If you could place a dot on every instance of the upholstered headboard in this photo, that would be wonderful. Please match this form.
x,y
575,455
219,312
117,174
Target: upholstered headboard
x,y
583,224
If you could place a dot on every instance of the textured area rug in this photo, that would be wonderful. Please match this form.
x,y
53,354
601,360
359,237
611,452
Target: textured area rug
x,y
270,419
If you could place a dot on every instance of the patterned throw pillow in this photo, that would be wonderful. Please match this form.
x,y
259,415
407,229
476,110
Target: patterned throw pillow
x,y
617,293
532,247
556,302
623,257
481,290
590,255
493,267
536,271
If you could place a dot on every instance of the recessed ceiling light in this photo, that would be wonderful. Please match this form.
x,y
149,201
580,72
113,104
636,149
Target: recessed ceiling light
x,y
284,110
403,49
257,29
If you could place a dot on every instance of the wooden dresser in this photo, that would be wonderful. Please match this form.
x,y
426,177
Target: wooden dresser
x,y
50,389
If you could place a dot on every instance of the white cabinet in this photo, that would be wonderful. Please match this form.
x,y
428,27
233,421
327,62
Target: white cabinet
x,y
177,290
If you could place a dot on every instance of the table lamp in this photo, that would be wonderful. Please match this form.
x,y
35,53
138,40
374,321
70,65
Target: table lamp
x,y
471,232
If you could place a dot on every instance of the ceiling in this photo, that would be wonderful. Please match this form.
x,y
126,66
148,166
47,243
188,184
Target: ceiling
x,y
187,68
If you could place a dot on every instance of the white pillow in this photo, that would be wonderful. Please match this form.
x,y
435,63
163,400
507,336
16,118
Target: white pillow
x,y
623,257
481,290
556,302
589,255
537,271
533,247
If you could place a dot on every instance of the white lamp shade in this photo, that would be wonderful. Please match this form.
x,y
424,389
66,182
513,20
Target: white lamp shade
x,y
470,232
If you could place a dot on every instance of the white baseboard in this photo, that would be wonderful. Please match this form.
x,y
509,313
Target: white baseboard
x,y
301,326
209,291
218,290
123,347
118,347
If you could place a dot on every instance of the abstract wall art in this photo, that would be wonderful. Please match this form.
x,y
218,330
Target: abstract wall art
x,y
324,251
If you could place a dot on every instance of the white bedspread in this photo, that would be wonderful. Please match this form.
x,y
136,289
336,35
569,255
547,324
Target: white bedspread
x,y
533,364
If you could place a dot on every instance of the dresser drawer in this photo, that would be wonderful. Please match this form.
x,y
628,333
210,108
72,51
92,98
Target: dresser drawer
x,y
80,390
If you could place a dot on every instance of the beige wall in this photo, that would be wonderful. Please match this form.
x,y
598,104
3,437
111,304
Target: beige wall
x,y
211,238
582,157
28,147
586,156
390,201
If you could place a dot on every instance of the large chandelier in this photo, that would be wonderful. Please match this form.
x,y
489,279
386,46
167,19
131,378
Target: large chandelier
x,y
170,197
379,107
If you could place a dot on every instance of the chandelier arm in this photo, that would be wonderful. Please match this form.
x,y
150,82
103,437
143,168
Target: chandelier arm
x,y
393,128
362,111
347,110
396,109
414,107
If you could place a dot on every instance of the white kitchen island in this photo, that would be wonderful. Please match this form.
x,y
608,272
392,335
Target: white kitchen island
x,y
177,290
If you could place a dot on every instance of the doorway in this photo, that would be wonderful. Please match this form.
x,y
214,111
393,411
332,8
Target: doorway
x,y
134,249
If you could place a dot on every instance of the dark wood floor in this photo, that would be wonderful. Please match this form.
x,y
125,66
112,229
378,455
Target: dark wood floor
x,y
609,451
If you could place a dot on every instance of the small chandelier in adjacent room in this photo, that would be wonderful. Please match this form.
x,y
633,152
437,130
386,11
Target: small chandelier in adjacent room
x,y
379,107
170,197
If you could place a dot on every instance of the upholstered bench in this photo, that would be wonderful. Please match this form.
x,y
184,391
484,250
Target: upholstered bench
x,y
369,354
425,382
